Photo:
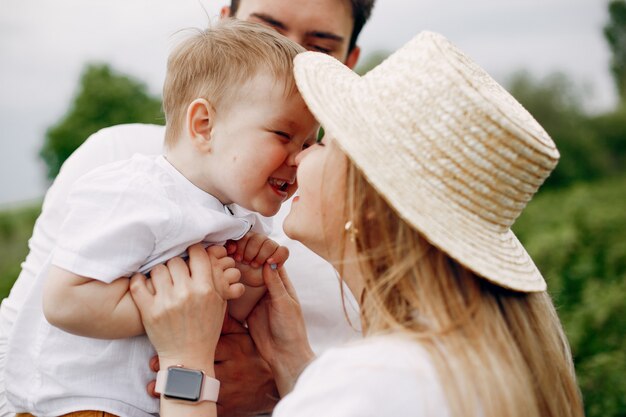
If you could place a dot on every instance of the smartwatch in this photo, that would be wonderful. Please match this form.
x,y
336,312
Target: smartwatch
x,y
180,383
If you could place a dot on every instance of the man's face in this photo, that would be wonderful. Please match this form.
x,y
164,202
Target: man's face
x,y
318,25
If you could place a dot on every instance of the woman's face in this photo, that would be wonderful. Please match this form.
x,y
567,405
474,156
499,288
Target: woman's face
x,y
316,217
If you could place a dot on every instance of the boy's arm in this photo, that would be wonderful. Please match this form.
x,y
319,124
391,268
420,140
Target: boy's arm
x,y
240,308
250,253
90,308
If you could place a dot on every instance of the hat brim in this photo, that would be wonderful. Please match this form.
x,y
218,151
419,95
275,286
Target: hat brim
x,y
338,98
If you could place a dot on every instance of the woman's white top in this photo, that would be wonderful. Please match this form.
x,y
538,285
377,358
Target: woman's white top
x,y
382,376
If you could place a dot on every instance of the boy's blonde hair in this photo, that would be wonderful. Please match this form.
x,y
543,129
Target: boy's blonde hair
x,y
216,62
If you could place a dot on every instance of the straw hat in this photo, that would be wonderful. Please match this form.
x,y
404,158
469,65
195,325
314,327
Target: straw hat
x,y
452,152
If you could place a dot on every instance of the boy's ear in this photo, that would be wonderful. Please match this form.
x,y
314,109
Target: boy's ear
x,y
199,121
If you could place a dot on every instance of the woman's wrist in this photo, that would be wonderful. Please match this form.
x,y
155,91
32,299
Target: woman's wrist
x,y
204,364
287,368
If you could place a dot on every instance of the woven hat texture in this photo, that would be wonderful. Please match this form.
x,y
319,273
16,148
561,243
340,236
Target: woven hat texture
x,y
452,151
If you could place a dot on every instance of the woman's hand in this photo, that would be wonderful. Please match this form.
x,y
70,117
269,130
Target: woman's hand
x,y
182,308
277,327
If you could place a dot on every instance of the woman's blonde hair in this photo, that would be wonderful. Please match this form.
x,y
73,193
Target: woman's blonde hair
x,y
497,352
216,63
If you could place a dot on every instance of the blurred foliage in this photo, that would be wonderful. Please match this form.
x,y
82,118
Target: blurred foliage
x,y
16,227
105,98
370,61
615,34
576,237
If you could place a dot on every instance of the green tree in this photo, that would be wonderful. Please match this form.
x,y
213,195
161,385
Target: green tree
x,y
615,34
105,98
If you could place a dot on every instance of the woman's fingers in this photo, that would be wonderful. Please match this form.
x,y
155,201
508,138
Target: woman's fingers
x,y
282,273
199,262
217,252
161,278
274,282
178,271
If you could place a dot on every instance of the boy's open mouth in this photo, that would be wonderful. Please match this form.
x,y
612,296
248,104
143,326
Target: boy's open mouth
x,y
279,185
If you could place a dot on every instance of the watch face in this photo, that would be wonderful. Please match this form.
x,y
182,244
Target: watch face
x,y
183,384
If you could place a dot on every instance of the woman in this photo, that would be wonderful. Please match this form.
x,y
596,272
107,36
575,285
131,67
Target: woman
x,y
426,164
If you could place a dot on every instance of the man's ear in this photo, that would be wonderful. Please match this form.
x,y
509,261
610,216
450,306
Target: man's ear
x,y
353,57
225,12
199,123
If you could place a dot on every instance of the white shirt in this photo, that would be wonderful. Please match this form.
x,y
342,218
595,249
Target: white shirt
x,y
314,279
383,376
122,217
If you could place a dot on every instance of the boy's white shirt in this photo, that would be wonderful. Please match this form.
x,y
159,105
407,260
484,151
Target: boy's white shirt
x,y
314,279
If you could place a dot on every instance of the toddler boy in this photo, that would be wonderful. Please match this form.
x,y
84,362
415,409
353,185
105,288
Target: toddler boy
x,y
235,124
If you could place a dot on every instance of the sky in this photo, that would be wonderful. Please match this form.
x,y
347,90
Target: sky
x,y
44,45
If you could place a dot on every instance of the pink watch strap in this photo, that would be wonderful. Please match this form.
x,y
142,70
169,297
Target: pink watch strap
x,y
210,386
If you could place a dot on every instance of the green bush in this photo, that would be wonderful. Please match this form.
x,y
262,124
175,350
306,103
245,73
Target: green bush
x,y
577,238
16,227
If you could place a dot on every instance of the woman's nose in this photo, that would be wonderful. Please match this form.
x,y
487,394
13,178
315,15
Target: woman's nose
x,y
301,155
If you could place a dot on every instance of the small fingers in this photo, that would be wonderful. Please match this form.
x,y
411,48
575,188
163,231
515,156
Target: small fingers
x,y
229,287
266,250
253,246
279,257
232,275
231,247
241,247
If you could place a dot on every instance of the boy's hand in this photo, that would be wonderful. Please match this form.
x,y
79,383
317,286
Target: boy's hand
x,y
251,252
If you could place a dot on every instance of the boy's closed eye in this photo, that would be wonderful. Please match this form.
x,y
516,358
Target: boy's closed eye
x,y
282,134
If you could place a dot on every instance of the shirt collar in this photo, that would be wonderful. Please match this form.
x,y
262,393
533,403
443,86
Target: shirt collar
x,y
197,193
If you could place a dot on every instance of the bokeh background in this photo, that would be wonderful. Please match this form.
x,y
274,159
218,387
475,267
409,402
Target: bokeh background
x,y
69,68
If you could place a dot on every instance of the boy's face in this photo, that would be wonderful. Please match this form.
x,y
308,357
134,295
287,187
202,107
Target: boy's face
x,y
318,25
254,142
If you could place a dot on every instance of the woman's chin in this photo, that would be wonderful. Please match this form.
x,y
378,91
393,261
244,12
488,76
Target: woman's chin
x,y
290,227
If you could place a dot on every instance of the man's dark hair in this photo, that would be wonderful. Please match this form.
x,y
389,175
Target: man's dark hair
x,y
361,11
